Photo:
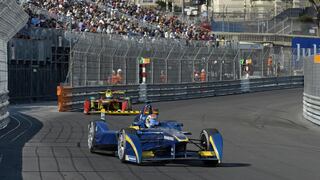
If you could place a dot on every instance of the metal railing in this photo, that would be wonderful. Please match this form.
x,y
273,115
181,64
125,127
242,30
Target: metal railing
x,y
4,114
12,18
72,99
311,95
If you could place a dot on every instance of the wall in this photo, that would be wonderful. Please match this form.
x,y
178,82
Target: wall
x,y
12,19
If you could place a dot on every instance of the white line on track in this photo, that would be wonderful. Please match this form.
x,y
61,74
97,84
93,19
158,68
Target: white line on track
x,y
24,130
19,123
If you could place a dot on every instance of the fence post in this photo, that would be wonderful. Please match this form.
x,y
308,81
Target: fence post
x,y
143,93
193,70
152,72
207,70
125,66
99,67
234,69
180,70
221,61
137,71
86,69
262,61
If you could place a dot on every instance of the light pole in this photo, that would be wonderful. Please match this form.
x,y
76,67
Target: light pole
x,y
208,10
244,9
172,7
182,8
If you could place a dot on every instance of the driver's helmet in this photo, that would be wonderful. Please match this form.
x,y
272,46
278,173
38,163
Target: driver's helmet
x,y
109,94
151,121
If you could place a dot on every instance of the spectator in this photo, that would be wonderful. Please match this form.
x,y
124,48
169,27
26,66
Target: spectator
x,y
269,66
203,76
119,78
114,78
278,69
163,77
196,76
112,17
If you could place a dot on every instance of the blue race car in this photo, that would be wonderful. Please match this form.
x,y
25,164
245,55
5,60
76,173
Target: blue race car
x,y
149,140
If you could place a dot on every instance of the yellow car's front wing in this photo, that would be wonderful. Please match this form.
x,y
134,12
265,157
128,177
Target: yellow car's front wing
x,y
116,112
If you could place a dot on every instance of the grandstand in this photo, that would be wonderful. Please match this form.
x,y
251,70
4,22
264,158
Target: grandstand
x,y
111,17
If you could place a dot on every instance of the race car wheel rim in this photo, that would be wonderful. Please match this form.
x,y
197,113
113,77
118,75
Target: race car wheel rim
x,y
90,136
204,140
121,145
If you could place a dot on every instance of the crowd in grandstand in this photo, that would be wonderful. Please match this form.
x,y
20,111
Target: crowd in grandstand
x,y
112,17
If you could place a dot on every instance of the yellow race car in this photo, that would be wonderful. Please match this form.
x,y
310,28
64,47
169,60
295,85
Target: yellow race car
x,y
113,102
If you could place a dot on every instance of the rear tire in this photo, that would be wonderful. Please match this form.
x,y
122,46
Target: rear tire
x,y
205,144
91,136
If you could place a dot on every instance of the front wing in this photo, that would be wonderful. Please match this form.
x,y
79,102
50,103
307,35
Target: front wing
x,y
115,112
188,155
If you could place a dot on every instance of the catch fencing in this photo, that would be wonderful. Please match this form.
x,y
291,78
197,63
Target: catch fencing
x,y
12,18
97,58
38,61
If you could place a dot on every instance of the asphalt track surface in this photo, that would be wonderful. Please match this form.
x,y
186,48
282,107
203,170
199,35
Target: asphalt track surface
x,y
265,137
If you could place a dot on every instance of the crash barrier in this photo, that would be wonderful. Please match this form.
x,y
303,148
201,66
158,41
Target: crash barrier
x,y
311,96
70,99
12,19
73,98
4,114
311,108
220,88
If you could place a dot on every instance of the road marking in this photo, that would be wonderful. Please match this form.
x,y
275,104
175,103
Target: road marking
x,y
19,123
24,130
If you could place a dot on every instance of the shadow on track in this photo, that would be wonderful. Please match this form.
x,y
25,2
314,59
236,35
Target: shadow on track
x,y
178,163
189,163
234,165
12,139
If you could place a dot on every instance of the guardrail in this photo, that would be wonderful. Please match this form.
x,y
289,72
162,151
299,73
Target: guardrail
x,y
311,108
70,99
4,114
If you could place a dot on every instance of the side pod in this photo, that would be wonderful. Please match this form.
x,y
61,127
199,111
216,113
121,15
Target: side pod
x,y
104,137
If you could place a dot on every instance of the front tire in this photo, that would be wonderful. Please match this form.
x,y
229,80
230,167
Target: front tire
x,y
205,144
122,145
91,136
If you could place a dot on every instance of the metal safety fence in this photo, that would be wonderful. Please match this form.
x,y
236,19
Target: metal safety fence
x,y
72,98
12,18
101,59
38,61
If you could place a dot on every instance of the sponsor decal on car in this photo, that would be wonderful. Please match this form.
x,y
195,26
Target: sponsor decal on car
x,y
169,138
